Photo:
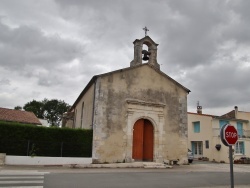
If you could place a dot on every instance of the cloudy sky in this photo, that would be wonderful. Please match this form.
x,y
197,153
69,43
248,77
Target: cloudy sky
x,y
52,48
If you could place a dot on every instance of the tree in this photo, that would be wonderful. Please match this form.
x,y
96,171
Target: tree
x,y
36,107
52,110
18,108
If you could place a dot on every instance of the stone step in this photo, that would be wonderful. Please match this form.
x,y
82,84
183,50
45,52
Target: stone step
x,y
123,165
155,165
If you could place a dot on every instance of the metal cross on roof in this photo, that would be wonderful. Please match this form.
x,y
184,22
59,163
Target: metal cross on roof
x,y
145,29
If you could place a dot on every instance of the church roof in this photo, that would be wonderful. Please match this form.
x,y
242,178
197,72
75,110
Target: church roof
x,y
18,116
94,78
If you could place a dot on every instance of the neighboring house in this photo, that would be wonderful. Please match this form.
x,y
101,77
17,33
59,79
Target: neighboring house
x,y
67,119
136,113
18,116
44,122
204,134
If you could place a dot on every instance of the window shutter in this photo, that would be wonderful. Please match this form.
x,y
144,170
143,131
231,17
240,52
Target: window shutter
x,y
240,129
243,148
196,127
193,147
223,122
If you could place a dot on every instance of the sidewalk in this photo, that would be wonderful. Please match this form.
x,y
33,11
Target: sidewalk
x,y
236,186
194,167
146,165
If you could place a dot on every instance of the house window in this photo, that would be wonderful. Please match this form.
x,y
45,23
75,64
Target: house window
x,y
74,125
197,148
82,114
223,122
239,148
207,144
196,126
240,129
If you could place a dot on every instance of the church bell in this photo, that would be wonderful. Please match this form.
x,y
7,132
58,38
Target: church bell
x,y
146,55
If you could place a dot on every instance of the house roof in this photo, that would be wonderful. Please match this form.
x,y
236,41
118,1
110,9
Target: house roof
x,y
230,116
94,78
213,116
18,116
227,116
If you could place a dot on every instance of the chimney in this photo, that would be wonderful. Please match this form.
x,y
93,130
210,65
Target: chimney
x,y
236,111
199,108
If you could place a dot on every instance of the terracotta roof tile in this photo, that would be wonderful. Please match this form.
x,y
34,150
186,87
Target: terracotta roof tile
x,y
18,116
229,115
202,114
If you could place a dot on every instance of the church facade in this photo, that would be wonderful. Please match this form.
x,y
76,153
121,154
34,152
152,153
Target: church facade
x,y
136,113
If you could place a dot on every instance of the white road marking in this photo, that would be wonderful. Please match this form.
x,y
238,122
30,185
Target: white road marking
x,y
21,178
22,182
24,187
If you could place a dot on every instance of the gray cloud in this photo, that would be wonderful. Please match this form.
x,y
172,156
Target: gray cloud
x,y
53,48
28,46
194,33
220,85
4,81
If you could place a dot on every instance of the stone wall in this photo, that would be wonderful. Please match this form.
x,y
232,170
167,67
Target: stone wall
x,y
2,158
159,99
84,110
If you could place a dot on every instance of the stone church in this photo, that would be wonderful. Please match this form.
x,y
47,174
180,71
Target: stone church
x,y
137,113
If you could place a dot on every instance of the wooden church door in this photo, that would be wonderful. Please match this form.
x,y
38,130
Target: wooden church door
x,y
143,140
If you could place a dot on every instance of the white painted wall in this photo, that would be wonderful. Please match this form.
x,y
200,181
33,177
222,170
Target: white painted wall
x,y
27,160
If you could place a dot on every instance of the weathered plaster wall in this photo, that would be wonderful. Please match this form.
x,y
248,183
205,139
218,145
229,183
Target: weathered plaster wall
x,y
111,113
243,115
84,115
206,133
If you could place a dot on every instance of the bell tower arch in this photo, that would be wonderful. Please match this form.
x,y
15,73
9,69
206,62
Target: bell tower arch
x,y
150,55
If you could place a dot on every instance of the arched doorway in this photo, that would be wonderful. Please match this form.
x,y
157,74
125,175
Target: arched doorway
x,y
143,140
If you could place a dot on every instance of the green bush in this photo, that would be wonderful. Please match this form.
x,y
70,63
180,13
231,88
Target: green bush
x,y
22,139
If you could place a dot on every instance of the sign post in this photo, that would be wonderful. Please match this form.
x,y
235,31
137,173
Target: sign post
x,y
231,166
229,137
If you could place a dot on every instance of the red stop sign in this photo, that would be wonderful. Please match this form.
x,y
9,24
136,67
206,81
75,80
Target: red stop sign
x,y
229,135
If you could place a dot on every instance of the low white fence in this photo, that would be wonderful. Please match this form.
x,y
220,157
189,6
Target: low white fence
x,y
27,160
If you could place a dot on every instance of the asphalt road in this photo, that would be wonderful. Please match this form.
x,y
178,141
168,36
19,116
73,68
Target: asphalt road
x,y
197,175
153,179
